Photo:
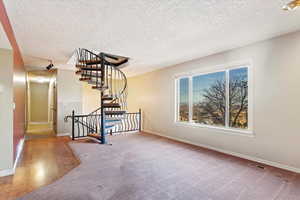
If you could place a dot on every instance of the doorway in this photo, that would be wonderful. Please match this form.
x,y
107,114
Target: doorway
x,y
41,105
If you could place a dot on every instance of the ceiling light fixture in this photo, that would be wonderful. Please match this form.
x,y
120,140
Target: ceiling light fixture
x,y
292,5
50,65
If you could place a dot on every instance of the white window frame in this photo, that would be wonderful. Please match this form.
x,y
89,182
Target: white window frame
x,y
221,68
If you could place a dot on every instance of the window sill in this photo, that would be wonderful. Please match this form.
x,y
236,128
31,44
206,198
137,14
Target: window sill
x,y
222,130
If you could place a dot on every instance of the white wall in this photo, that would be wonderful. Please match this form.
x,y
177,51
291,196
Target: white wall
x,y
69,97
276,73
90,98
73,95
6,111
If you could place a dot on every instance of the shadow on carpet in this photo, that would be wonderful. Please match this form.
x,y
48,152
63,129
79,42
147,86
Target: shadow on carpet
x,y
147,167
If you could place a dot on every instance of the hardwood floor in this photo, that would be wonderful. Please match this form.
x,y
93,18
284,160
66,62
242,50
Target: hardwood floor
x,y
42,162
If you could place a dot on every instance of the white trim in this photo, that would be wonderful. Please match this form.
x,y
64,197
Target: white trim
x,y
63,134
222,130
214,68
176,100
220,68
247,157
31,122
19,152
8,172
227,97
191,102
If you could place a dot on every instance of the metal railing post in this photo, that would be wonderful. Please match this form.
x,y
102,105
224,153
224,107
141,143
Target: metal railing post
x,y
102,125
73,125
140,120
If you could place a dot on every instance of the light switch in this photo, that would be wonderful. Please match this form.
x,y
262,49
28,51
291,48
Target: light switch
x,y
1,89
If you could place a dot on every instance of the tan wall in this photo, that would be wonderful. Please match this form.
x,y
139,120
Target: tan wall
x,y
276,73
19,82
39,93
6,109
69,97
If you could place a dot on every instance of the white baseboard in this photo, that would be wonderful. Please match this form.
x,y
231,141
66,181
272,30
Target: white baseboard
x,y
39,123
255,159
19,152
8,172
62,134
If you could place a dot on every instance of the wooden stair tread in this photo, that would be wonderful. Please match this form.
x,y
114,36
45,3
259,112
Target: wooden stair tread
x,y
79,66
115,112
107,60
111,105
99,87
107,98
85,79
78,72
94,135
91,62
93,75
90,69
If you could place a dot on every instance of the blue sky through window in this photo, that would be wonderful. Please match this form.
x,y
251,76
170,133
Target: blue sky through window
x,y
203,82
236,74
184,90
209,97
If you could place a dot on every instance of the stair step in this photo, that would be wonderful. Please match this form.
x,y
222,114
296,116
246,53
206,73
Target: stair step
x,y
88,73
92,75
94,135
87,68
99,87
91,62
91,68
78,72
85,79
111,105
93,82
89,80
107,98
112,120
115,112
79,66
110,126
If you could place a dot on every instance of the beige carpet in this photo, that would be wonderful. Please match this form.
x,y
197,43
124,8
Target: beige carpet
x,y
146,167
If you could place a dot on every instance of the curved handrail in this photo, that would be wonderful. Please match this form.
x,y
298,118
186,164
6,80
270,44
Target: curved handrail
x,y
120,94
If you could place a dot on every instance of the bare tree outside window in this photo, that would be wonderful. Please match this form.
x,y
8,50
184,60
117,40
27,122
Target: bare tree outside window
x,y
238,98
210,99
184,99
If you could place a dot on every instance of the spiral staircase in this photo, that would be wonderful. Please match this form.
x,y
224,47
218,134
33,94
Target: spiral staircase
x,y
102,72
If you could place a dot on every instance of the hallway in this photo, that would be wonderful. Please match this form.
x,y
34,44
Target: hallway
x,y
42,162
39,131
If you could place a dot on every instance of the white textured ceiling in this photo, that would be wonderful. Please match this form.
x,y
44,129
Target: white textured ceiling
x,y
153,33
4,42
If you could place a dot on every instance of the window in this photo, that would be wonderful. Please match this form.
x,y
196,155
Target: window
x,y
209,99
218,99
184,99
238,98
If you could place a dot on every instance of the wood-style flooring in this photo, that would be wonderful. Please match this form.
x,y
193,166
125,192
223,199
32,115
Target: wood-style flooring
x,y
42,162
142,166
